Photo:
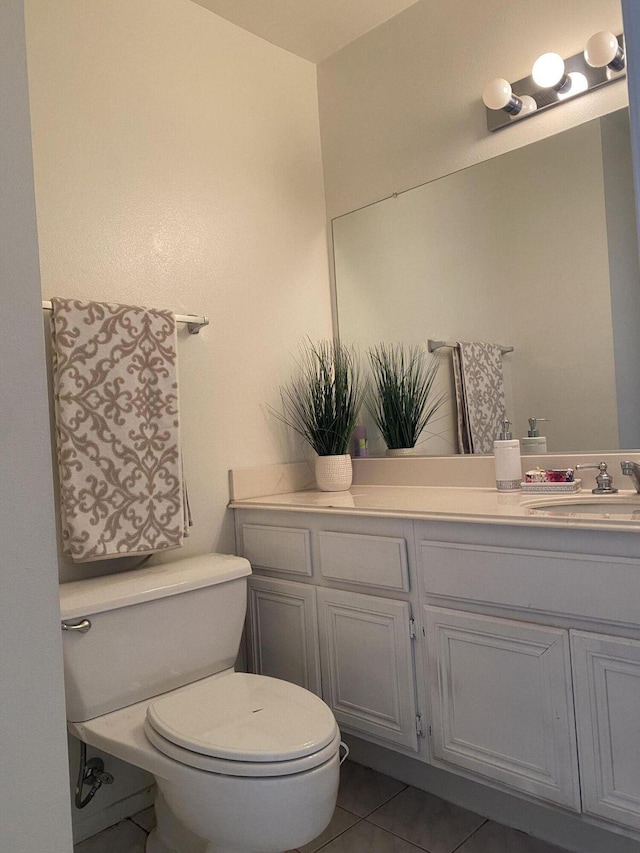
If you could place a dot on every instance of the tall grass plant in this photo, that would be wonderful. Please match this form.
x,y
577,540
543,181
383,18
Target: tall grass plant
x,y
322,402
402,398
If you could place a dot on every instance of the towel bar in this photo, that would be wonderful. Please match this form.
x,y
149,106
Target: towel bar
x,y
194,323
434,345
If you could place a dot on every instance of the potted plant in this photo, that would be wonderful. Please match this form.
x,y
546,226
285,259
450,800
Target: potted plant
x,y
321,404
402,398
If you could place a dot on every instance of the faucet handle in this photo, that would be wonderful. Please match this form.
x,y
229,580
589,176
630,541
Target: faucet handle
x,y
604,480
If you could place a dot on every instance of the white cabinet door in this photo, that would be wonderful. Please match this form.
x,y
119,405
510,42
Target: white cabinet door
x,y
283,631
367,664
607,690
502,703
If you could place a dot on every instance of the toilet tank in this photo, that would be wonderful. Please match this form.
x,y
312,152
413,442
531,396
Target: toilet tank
x,y
152,630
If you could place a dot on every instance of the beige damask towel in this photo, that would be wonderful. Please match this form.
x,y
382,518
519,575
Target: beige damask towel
x,y
479,387
117,428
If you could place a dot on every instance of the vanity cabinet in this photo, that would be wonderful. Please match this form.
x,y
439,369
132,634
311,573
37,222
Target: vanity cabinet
x,y
513,666
607,690
501,702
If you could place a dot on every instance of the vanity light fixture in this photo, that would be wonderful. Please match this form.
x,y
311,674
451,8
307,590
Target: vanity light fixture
x,y
554,80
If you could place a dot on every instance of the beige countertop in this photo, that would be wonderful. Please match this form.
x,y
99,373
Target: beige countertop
x,y
462,504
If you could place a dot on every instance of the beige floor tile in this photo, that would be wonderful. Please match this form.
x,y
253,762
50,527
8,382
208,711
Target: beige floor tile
x,y
494,838
146,818
124,837
364,837
340,822
362,790
427,821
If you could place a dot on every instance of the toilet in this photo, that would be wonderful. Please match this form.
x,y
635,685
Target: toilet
x,y
243,763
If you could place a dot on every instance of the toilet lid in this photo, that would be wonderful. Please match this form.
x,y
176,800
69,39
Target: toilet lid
x,y
244,717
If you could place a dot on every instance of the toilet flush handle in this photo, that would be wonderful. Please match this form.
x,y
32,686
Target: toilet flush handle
x,y
80,627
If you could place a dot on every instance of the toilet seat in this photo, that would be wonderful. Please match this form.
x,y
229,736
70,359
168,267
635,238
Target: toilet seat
x,y
243,725
225,767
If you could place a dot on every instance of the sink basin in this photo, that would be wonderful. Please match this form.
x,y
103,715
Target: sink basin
x,y
601,506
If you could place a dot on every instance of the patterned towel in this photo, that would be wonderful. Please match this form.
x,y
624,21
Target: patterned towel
x,y
479,386
117,429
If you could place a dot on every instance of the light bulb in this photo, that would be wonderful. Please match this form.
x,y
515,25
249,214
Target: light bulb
x,y
548,71
578,83
529,105
603,49
498,95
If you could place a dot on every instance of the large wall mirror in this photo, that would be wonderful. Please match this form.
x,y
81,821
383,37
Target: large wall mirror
x,y
535,249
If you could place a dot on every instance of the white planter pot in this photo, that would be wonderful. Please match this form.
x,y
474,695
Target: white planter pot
x,y
401,451
334,473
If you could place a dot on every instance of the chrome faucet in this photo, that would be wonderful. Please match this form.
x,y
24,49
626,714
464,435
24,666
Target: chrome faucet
x,y
632,469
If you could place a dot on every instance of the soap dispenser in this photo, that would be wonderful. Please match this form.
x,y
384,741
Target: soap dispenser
x,y
533,442
506,452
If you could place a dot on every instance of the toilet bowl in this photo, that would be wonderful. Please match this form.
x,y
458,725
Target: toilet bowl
x,y
243,763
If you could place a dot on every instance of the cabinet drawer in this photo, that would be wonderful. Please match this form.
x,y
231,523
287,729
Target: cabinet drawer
x,y
527,580
373,561
285,549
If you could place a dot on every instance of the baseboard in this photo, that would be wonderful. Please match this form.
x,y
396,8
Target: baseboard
x,y
84,826
546,823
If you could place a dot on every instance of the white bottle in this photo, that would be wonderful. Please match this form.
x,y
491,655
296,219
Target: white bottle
x,y
506,452
533,442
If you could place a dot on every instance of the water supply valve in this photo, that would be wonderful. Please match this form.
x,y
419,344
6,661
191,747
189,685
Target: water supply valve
x,y
90,773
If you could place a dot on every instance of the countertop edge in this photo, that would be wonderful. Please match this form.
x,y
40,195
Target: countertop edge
x,y
290,502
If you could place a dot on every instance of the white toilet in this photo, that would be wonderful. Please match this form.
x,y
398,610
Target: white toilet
x,y
243,763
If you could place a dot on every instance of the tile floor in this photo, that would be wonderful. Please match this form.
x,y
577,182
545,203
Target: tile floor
x,y
375,814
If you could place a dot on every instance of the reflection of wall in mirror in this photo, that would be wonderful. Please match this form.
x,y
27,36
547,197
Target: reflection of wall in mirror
x,y
623,270
515,250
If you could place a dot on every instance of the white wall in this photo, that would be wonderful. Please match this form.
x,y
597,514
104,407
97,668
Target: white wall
x,y
402,105
177,164
34,808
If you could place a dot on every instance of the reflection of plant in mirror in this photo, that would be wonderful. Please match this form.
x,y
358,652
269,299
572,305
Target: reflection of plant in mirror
x,y
323,401
402,399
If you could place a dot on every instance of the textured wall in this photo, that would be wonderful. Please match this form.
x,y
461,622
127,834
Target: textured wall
x,y
177,164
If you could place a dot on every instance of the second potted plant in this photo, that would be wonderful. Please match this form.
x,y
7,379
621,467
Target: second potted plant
x,y
402,398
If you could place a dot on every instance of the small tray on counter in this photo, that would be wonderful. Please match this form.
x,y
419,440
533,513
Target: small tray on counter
x,y
552,488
